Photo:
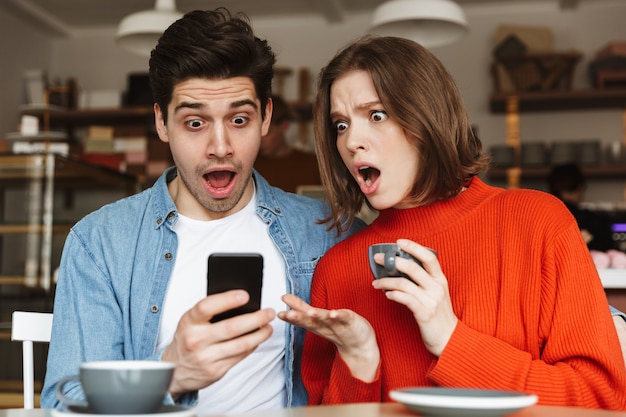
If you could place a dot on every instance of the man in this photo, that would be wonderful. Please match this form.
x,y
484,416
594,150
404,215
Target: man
x,y
132,279
283,165
568,183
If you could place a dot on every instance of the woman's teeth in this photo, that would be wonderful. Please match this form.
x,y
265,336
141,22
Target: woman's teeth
x,y
365,172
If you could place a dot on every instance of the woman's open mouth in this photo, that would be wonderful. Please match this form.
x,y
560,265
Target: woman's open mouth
x,y
368,177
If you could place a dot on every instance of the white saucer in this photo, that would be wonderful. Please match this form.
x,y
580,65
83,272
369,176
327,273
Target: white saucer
x,y
164,411
462,402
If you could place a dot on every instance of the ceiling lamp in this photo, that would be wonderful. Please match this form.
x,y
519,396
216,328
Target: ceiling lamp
x,y
428,22
139,32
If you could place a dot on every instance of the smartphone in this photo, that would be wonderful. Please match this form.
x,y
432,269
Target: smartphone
x,y
229,271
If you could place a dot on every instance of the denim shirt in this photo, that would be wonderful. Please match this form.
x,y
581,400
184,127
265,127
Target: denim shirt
x,y
116,264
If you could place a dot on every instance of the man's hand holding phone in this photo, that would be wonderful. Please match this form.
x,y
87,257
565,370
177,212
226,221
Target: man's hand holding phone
x,y
203,350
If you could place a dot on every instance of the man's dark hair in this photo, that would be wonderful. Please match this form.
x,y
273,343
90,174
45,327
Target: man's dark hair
x,y
212,44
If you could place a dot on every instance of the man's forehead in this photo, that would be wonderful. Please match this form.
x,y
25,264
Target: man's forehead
x,y
236,89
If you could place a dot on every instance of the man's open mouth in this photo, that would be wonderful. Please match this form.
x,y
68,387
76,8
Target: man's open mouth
x,y
219,179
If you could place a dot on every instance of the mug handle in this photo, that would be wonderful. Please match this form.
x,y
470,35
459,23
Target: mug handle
x,y
61,396
390,263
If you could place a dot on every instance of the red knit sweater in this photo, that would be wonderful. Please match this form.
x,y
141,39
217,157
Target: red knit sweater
x,y
533,316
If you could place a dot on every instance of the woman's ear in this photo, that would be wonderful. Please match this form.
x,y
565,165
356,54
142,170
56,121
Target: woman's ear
x,y
159,122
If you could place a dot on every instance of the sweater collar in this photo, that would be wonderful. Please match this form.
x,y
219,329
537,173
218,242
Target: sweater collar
x,y
437,216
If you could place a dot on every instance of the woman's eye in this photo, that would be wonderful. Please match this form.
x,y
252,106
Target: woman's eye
x,y
379,115
341,126
240,120
194,124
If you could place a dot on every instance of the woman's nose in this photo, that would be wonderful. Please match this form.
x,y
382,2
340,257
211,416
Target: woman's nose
x,y
355,138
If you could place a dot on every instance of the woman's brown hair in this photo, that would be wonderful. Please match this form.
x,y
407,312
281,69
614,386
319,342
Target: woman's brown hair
x,y
417,92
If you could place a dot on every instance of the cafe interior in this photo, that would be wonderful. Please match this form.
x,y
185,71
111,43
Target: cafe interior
x,y
544,82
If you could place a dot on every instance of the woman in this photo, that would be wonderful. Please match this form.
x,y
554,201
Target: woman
x,y
510,301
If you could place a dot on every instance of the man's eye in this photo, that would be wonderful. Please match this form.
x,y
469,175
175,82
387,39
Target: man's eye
x,y
194,124
240,120
379,115
341,126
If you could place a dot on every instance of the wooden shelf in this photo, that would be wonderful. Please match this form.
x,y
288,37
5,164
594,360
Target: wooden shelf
x,y
14,279
69,173
561,100
541,173
86,117
137,121
10,229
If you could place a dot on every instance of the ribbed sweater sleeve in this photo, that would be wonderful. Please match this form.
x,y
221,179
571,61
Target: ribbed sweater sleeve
x,y
533,316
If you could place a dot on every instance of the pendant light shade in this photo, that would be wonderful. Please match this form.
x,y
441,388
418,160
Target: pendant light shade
x,y
139,32
428,22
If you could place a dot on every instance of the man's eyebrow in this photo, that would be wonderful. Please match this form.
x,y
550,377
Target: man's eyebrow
x,y
244,102
187,105
233,105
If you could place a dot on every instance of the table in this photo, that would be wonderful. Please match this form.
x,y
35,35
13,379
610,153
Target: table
x,y
367,410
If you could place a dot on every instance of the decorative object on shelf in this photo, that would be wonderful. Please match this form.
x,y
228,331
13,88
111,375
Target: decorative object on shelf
x,y
502,156
429,22
525,61
589,152
564,152
615,153
139,32
534,154
30,138
35,82
541,71
138,91
608,69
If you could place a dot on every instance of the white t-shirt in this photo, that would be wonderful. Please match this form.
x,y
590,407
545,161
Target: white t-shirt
x,y
258,381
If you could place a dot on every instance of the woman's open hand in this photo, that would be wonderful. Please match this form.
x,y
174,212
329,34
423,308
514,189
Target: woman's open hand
x,y
351,333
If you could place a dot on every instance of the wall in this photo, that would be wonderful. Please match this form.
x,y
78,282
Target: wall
x,y
305,41
22,47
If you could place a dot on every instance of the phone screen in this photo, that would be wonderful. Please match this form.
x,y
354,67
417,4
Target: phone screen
x,y
229,271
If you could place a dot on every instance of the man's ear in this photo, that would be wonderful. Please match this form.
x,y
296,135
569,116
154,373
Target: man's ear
x,y
161,128
267,120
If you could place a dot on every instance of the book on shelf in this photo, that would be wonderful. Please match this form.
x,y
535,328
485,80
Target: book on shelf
x,y
130,144
113,161
98,146
61,148
99,132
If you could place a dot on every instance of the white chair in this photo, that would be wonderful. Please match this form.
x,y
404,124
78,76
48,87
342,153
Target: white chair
x,y
29,327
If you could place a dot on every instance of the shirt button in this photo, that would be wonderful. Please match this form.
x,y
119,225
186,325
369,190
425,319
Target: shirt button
x,y
170,216
154,309
168,256
159,221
